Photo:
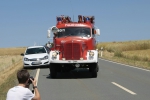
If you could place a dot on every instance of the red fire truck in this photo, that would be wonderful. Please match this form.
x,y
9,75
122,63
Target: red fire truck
x,y
74,45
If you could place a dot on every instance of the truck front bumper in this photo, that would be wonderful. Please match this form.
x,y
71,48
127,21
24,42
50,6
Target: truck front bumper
x,y
73,61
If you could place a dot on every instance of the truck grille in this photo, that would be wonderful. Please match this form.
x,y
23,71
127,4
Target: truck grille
x,y
72,51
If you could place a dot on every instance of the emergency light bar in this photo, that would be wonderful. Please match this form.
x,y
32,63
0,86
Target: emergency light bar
x,y
81,19
86,19
59,19
63,19
89,18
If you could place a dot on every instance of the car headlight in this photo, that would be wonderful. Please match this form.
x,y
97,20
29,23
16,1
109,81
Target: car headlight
x,y
46,57
91,53
26,59
54,54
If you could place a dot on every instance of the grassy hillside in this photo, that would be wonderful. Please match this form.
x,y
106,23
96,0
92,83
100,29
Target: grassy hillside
x,y
135,53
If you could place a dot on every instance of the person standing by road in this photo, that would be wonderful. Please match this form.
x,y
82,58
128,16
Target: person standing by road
x,y
49,44
22,91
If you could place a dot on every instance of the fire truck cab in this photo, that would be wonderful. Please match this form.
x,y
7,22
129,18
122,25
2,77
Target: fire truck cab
x,y
74,45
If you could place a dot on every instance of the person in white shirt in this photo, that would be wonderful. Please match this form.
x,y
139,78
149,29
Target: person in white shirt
x,y
22,91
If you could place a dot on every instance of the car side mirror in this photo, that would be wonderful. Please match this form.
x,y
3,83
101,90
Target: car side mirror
x,y
22,54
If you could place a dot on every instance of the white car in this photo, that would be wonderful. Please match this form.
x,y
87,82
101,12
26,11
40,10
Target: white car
x,y
36,57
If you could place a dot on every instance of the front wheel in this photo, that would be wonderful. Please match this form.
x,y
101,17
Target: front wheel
x,y
94,69
53,71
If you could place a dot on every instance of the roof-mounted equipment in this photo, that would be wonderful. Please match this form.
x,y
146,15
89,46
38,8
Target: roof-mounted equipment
x,y
63,19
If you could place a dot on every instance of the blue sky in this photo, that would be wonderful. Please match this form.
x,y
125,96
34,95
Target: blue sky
x,y
25,22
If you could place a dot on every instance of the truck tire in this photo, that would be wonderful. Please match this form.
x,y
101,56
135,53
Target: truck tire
x,y
94,69
97,67
53,71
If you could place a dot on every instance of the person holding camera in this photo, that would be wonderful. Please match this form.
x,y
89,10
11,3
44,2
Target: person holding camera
x,y
22,91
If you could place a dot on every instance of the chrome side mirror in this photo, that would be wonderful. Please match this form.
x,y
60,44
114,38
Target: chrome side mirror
x,y
97,31
53,29
48,33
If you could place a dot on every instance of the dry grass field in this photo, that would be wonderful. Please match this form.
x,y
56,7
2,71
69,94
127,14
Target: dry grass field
x,y
11,51
136,53
10,61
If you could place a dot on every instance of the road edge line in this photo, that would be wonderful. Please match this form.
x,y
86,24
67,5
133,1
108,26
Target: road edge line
x,y
127,90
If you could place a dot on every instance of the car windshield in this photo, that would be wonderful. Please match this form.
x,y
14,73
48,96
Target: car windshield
x,y
35,50
74,31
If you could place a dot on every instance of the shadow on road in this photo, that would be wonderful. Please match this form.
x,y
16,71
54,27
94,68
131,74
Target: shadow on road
x,y
77,73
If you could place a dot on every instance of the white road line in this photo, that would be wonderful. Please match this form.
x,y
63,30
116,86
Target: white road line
x,y
37,75
127,90
126,65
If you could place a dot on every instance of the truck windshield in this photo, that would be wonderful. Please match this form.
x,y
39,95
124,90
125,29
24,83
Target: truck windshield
x,y
74,31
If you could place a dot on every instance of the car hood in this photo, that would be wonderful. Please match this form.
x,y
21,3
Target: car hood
x,y
36,55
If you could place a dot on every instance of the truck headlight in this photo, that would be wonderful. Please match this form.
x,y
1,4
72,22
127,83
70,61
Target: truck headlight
x,y
63,58
91,53
54,54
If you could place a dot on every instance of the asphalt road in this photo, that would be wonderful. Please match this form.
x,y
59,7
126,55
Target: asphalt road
x,y
114,82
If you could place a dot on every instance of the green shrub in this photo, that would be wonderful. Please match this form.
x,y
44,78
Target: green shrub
x,y
118,54
135,58
13,61
144,46
149,64
145,59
